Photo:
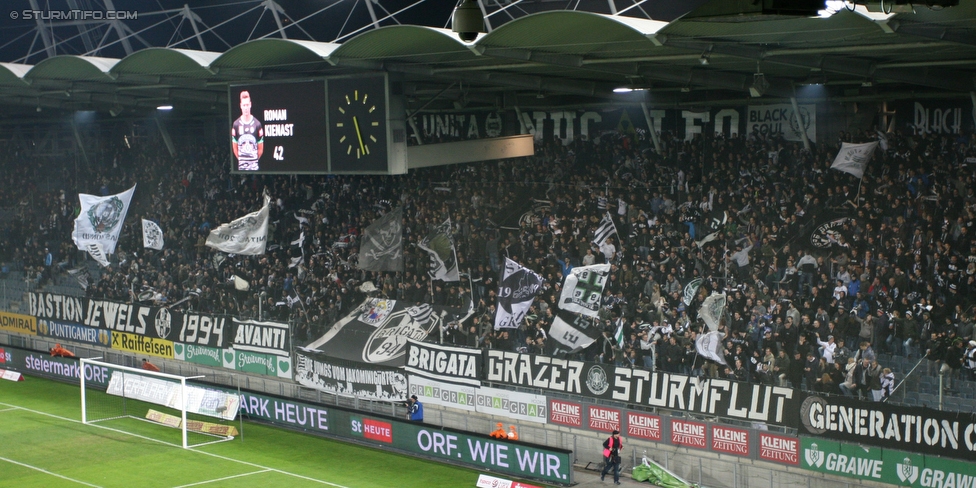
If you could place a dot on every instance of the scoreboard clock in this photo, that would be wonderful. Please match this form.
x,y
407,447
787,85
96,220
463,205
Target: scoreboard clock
x,y
359,125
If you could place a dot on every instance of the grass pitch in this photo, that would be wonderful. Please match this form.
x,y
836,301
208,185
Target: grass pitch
x,y
43,444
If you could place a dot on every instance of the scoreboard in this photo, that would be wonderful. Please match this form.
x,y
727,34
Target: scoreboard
x,y
343,125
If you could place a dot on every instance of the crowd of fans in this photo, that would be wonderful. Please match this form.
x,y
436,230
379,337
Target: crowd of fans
x,y
898,276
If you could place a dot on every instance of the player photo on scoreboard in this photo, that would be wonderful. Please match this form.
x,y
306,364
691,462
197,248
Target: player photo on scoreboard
x,y
278,127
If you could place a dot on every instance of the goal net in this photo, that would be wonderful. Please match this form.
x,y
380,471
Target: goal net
x,y
159,406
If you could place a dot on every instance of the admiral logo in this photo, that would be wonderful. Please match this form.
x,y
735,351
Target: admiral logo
x,y
4,356
643,426
731,441
604,419
565,413
779,449
21,324
690,434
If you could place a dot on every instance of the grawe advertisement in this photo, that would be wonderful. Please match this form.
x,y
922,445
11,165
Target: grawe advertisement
x,y
517,459
885,465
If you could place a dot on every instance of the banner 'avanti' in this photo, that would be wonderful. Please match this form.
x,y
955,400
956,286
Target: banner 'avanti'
x,y
720,397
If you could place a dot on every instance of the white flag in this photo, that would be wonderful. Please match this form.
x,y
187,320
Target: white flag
x,y
712,309
247,235
100,220
240,283
710,346
853,158
583,289
152,235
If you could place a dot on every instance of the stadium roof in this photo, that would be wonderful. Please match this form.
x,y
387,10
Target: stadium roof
x,y
554,58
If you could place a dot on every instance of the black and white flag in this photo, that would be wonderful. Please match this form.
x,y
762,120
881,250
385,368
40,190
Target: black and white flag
x,y
152,235
710,346
517,289
584,288
382,245
572,333
712,309
443,257
853,158
82,275
604,231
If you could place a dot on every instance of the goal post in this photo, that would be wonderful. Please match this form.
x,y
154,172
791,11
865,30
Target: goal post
x,y
130,398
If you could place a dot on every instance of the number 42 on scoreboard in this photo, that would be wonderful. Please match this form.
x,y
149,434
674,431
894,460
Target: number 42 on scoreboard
x,y
279,153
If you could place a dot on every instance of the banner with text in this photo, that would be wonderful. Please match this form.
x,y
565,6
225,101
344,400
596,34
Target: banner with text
x,y
444,363
885,465
721,397
433,392
17,323
133,318
781,120
66,331
262,337
348,378
919,429
519,459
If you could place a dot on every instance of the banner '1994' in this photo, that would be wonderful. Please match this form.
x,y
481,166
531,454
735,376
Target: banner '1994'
x,y
134,318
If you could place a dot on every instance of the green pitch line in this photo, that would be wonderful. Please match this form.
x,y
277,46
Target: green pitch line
x,y
43,444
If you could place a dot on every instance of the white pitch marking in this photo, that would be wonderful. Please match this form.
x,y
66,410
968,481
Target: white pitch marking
x,y
35,468
224,478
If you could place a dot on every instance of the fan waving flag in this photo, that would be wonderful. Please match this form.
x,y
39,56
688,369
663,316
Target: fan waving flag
x,y
382,247
712,309
690,290
604,232
152,235
583,289
247,235
853,158
572,333
100,221
443,258
709,345
517,289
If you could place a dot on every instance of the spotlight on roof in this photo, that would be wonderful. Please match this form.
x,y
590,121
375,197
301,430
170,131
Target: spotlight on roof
x,y
704,58
467,20
164,107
